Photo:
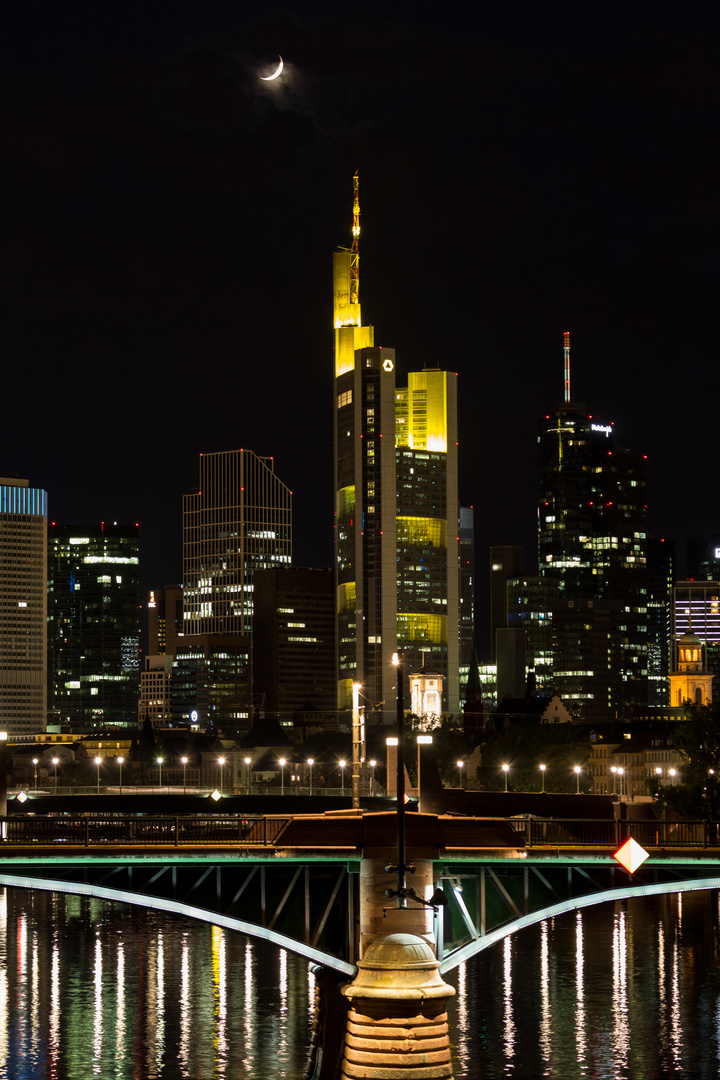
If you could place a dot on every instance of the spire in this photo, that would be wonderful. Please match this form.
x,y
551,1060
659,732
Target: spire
x,y
355,248
566,351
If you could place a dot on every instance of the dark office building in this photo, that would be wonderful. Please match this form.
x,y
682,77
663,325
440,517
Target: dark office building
x,y
661,562
592,542
466,549
165,620
210,685
294,642
93,624
506,562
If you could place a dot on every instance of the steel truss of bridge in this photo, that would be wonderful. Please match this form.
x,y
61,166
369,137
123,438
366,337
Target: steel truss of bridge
x,y
260,881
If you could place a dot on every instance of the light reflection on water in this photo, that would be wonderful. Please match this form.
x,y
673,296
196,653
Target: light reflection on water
x,y
89,988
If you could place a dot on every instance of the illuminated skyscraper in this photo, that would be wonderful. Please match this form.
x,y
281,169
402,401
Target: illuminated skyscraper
x,y
592,542
396,512
239,521
94,617
23,608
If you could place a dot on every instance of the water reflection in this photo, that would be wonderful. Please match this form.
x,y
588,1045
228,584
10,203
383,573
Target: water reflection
x,y
89,988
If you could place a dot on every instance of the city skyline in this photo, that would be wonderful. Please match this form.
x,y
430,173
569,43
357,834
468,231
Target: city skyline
x,y
173,220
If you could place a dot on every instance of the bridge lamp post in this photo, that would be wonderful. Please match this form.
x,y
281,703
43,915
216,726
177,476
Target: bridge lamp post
x,y
282,764
98,763
373,763
35,763
120,763
577,770
542,774
506,769
460,769
613,770
160,765
311,762
342,776
55,761
248,763
221,763
184,765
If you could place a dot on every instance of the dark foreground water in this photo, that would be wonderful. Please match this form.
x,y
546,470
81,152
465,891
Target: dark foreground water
x,y
96,989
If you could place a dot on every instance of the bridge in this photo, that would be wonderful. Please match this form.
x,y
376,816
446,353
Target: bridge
x,y
297,880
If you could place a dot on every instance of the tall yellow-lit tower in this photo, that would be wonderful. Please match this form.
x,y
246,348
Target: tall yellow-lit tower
x,y
396,507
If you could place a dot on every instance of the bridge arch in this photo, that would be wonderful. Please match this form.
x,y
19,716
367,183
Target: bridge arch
x,y
465,952
123,896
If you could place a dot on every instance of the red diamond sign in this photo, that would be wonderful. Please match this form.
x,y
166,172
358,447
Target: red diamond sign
x,y
631,855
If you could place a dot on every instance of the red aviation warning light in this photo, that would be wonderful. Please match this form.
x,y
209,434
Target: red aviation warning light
x,y
631,855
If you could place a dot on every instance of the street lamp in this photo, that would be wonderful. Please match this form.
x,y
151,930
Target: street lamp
x,y
184,765
221,763
342,776
577,770
613,770
311,762
673,773
120,762
373,763
542,773
460,769
621,773
160,765
98,762
506,769
248,763
282,763
55,761
35,763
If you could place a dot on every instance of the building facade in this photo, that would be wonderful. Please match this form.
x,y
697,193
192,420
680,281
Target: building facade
x,y
94,618
294,642
238,521
23,607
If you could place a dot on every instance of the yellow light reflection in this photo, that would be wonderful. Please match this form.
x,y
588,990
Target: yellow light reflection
x,y
97,1005
220,1043
580,1034
508,1022
120,1032
184,1046
545,1039
4,1017
53,1036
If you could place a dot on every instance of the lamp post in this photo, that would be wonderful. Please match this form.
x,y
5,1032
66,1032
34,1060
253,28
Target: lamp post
x,y
673,773
422,740
577,771
184,765
311,762
613,770
160,765
342,776
373,763
120,763
506,769
55,761
98,763
221,763
248,763
35,763
400,796
621,773
542,774
281,763
460,769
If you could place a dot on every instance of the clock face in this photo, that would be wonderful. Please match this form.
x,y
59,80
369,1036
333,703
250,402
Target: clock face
x,y
388,364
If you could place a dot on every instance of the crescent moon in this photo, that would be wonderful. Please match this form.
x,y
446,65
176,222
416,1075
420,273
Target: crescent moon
x,y
268,78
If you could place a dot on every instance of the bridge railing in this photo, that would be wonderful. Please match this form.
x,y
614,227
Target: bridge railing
x,y
171,831
560,833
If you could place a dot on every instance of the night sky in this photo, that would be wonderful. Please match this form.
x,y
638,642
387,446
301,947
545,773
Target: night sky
x,y
525,169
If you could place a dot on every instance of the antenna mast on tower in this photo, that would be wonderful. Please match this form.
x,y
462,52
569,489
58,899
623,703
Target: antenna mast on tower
x,y
566,351
355,248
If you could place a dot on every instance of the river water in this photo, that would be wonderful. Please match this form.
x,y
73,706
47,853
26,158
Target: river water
x,y
90,988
